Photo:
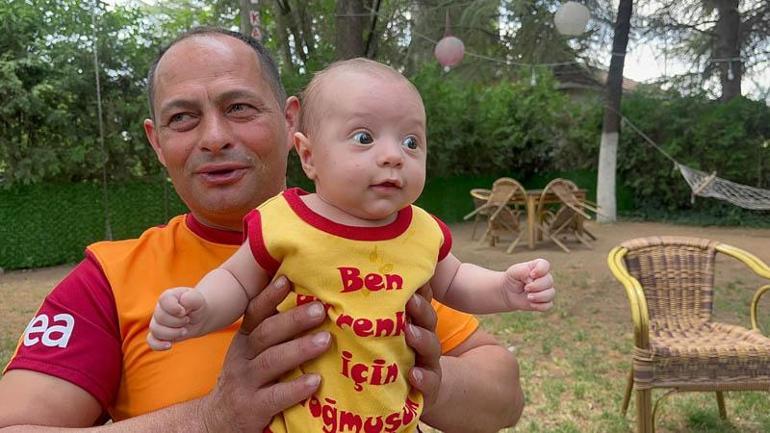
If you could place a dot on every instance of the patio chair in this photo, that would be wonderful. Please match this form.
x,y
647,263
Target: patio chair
x,y
480,197
670,286
501,218
568,218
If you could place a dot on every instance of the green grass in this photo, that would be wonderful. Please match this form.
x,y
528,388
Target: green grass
x,y
7,346
574,362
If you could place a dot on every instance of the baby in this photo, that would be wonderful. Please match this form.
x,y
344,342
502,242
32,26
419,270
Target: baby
x,y
360,247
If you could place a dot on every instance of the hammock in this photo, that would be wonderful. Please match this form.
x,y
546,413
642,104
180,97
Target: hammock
x,y
709,185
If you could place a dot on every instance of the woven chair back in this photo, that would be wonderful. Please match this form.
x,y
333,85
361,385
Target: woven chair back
x,y
677,276
563,188
503,190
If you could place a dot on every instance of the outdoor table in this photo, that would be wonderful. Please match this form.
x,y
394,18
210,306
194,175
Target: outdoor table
x,y
530,202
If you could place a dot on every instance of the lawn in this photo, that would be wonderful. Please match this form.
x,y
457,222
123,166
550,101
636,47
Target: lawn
x,y
574,359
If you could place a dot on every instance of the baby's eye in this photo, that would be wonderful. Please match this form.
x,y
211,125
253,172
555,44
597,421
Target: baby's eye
x,y
363,138
410,142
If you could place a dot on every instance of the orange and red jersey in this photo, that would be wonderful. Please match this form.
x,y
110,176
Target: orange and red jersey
x,y
90,330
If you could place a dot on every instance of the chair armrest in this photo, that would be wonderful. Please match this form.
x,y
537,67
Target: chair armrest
x,y
636,299
755,303
753,262
758,267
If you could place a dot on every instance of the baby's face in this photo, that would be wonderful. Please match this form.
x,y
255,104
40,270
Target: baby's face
x,y
369,143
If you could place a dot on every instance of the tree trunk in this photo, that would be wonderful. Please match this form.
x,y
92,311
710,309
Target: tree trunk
x,y
608,152
727,50
282,18
349,29
427,26
250,24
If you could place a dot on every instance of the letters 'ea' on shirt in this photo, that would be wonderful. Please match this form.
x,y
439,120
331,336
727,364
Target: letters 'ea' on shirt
x,y
364,276
109,297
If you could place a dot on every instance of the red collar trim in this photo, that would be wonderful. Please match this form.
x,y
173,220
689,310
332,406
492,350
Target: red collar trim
x,y
211,234
390,231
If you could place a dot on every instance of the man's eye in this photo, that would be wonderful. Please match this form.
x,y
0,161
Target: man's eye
x,y
179,118
363,138
240,109
410,142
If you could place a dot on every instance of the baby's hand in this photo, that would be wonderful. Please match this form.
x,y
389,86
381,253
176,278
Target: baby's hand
x,y
529,286
176,315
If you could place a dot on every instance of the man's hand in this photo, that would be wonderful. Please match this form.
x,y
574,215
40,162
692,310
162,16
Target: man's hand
x,y
425,376
248,393
529,286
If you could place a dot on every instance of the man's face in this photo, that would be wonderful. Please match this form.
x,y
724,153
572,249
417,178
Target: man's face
x,y
218,128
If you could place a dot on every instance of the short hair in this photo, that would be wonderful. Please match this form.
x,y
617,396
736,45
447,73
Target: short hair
x,y
269,67
309,97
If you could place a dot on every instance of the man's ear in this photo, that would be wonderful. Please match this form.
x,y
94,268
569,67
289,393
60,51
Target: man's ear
x,y
304,148
152,137
291,116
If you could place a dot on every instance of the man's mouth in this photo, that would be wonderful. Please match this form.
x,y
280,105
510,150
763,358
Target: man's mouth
x,y
221,174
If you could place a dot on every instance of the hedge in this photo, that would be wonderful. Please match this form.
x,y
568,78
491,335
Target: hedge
x,y
51,223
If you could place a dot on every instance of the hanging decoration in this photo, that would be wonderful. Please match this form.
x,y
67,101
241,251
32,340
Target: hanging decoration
x,y
450,50
571,19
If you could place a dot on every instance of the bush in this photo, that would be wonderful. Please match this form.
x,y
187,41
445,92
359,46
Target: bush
x,y
51,223
707,135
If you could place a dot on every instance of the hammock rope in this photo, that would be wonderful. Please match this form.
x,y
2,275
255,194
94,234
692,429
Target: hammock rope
x,y
710,185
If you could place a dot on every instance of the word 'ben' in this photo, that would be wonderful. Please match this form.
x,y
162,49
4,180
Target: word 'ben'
x,y
352,280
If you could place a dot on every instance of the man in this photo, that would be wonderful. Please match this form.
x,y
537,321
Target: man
x,y
220,127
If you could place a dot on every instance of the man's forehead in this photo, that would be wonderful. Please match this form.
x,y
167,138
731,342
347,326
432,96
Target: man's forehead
x,y
209,55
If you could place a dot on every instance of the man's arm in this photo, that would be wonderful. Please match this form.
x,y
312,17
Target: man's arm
x,y
473,388
28,397
480,389
245,398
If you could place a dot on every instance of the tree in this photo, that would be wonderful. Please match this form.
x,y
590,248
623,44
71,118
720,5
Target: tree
x,y
727,39
349,32
608,151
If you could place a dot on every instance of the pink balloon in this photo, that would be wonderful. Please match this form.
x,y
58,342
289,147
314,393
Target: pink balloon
x,y
449,51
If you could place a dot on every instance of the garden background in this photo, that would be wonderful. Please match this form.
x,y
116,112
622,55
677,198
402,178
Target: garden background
x,y
526,102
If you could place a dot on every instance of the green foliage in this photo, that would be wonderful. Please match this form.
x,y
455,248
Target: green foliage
x,y
51,223
480,125
511,126
727,138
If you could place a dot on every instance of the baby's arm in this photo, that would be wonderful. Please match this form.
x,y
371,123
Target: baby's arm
x,y
218,300
473,289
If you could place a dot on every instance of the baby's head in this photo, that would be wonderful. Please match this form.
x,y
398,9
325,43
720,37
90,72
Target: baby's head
x,y
362,138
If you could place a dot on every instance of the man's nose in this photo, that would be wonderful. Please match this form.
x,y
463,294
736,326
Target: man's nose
x,y
216,134
390,154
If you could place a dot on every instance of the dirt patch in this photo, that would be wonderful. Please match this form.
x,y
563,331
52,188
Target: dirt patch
x,y
583,280
21,293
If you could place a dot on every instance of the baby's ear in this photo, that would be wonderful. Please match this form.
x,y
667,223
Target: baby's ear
x,y
304,148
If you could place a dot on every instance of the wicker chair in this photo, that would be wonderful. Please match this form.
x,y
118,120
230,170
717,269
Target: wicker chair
x,y
568,218
501,218
670,286
480,197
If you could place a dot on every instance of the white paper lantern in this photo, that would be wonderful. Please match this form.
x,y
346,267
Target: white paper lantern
x,y
571,18
449,51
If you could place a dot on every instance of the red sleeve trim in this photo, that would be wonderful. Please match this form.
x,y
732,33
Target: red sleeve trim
x,y
253,229
446,246
91,358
